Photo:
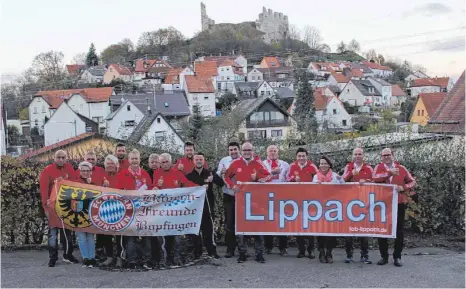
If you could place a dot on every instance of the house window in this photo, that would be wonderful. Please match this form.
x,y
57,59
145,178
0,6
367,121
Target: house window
x,y
258,77
36,122
128,107
219,86
228,78
422,113
111,70
343,122
268,92
418,112
262,92
88,128
165,104
206,107
159,135
334,111
221,69
206,97
223,77
158,120
276,133
43,108
257,134
276,116
228,68
35,109
130,123
253,77
195,97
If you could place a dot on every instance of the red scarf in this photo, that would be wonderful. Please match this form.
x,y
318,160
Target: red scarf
x,y
138,177
325,178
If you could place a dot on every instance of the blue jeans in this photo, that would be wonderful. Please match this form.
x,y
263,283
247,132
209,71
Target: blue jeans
x,y
66,239
86,244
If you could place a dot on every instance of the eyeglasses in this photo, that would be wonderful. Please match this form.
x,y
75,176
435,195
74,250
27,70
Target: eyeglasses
x,y
90,159
247,150
386,155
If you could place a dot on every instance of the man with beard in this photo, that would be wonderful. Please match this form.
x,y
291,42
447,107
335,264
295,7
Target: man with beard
x,y
120,153
229,200
59,170
203,177
391,172
247,169
303,170
278,169
186,164
358,171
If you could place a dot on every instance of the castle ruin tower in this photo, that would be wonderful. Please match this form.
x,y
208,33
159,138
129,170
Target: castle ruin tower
x,y
206,22
274,24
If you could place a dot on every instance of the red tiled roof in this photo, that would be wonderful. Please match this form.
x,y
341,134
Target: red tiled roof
x,y
432,101
172,72
206,68
140,65
452,109
374,65
269,60
320,99
229,62
199,84
340,78
55,97
355,72
74,68
122,70
441,81
58,145
397,91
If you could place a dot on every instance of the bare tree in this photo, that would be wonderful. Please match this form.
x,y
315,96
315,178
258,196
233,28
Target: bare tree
x,y
48,69
79,58
341,47
354,46
380,59
312,37
371,55
325,48
419,67
295,33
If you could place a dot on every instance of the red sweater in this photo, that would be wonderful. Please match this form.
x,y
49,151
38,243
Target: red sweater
x,y
242,170
97,175
126,180
188,165
112,179
48,177
172,178
306,173
365,173
123,164
404,179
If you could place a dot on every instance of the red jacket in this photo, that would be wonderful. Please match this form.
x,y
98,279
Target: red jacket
x,y
188,165
112,179
97,175
84,181
404,178
306,173
126,180
48,177
123,164
242,170
365,173
173,178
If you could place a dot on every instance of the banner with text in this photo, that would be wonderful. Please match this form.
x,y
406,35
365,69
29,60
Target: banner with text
x,y
101,210
351,209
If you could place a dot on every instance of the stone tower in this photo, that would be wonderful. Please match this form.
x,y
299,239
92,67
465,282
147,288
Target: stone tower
x,y
206,22
273,24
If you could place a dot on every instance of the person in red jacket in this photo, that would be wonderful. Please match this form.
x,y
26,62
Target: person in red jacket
x,y
167,177
247,169
303,170
98,173
186,163
391,172
60,169
120,153
358,171
135,178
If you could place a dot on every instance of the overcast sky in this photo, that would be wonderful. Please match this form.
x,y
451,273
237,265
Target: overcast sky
x,y
29,27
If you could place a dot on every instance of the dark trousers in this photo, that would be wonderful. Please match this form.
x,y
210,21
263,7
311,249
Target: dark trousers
x,y
229,211
133,249
67,243
207,229
156,248
282,242
383,242
105,242
301,240
326,243
364,246
171,247
243,244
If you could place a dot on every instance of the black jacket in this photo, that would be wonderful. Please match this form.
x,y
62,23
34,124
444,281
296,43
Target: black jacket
x,y
200,179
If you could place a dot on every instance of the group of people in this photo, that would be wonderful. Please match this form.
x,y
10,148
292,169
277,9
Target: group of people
x,y
242,165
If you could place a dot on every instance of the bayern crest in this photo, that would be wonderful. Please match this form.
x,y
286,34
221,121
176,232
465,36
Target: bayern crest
x,y
112,212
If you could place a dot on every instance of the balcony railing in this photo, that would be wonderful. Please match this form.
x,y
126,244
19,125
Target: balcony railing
x,y
267,123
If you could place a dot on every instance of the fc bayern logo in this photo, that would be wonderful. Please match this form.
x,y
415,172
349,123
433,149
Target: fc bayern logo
x,y
112,212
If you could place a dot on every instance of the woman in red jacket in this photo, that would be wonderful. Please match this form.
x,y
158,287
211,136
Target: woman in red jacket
x,y
135,178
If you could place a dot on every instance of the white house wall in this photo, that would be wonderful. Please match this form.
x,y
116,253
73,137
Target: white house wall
x,y
423,89
255,76
63,124
116,126
206,102
38,110
352,95
171,142
335,118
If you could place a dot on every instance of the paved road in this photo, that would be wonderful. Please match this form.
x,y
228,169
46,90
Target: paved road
x,y
441,268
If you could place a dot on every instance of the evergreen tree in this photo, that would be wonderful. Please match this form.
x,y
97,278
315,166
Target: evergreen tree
x,y
195,124
304,112
91,57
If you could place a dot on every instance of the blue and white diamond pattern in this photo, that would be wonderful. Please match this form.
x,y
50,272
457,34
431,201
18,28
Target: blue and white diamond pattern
x,y
112,211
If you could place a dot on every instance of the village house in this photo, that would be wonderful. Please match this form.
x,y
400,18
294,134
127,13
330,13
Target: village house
x,y
398,95
121,123
415,75
262,118
200,91
423,85
278,77
75,70
150,71
229,72
269,62
363,68
117,71
65,123
425,107
94,74
385,90
360,92
240,60
379,70
253,89
255,75
175,78
92,103
206,69
338,79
